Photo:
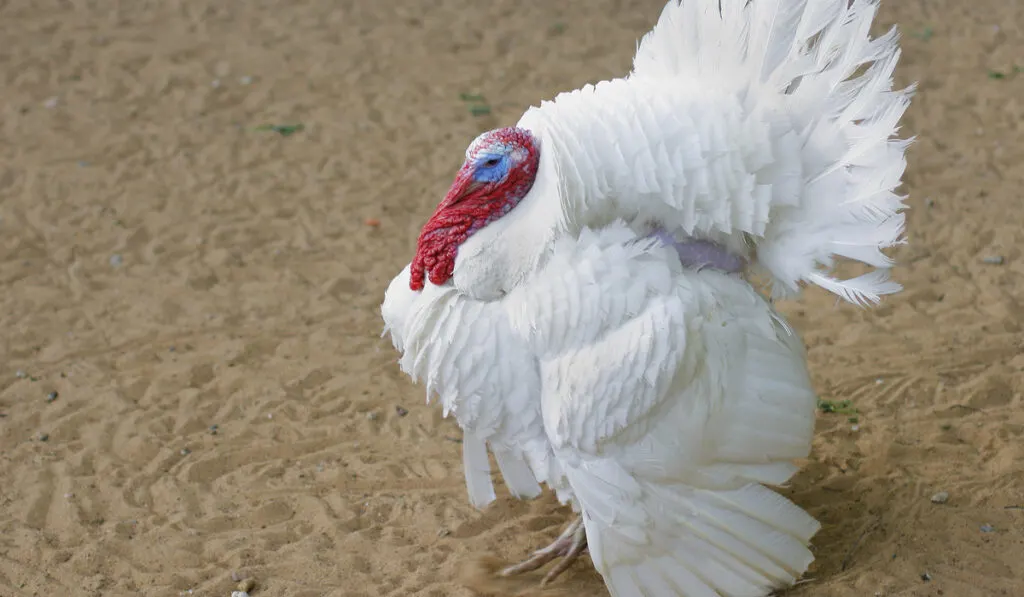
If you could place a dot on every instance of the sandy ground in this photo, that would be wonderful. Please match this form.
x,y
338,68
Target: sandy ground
x,y
201,299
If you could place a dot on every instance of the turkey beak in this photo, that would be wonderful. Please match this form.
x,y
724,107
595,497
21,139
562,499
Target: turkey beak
x,y
463,186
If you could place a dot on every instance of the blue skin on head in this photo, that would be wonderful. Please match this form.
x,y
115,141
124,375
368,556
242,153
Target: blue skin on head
x,y
492,165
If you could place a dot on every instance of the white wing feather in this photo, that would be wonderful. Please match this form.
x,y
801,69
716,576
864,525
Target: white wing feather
x,y
681,395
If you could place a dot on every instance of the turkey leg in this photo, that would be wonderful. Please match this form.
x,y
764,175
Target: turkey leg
x,y
569,545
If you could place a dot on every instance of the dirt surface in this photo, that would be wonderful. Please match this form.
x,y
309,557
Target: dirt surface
x,y
192,382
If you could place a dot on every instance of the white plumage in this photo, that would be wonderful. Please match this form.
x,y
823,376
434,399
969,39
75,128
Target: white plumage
x,y
654,398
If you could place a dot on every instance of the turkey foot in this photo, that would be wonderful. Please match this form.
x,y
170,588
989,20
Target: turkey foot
x,y
569,545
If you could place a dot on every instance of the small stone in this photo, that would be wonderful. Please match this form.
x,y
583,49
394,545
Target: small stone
x,y
993,260
185,451
213,429
443,533
235,576
52,396
925,576
940,498
401,411
43,437
239,594
20,374
246,585
215,83
855,428
987,528
371,416
51,102
116,260
245,80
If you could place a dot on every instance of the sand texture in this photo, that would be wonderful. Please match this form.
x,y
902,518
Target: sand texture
x,y
192,382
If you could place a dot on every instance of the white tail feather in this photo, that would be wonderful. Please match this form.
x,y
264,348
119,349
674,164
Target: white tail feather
x,y
799,60
863,290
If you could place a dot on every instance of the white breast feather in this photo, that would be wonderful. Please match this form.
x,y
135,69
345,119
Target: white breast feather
x,y
485,376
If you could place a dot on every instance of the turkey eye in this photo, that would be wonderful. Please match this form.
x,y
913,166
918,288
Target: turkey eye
x,y
492,162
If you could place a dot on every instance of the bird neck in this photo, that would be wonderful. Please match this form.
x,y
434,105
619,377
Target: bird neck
x,y
499,256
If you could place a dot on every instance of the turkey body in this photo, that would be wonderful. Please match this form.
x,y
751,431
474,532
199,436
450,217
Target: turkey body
x,y
664,399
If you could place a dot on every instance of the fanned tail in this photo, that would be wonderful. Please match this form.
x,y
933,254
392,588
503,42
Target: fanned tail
x,y
808,72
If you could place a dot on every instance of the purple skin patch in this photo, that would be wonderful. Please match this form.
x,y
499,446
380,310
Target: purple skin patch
x,y
699,254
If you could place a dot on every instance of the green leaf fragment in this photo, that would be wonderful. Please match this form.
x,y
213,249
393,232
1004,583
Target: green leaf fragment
x,y
282,129
842,407
925,34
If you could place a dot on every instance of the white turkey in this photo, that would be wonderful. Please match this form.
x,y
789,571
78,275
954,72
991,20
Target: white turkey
x,y
578,300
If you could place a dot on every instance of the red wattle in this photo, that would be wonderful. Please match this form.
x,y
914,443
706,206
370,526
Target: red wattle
x,y
469,206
